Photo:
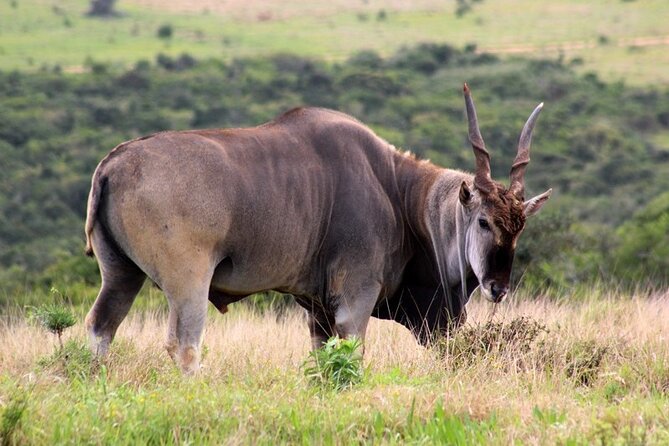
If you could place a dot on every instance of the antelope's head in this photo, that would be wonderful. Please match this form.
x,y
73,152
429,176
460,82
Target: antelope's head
x,y
493,216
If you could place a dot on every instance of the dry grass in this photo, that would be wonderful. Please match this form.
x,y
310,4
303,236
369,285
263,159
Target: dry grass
x,y
253,370
243,342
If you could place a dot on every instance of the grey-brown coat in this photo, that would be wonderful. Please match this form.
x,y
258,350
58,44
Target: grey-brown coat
x,y
313,204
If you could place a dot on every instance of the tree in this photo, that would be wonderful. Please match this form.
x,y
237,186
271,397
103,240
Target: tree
x,y
102,8
54,317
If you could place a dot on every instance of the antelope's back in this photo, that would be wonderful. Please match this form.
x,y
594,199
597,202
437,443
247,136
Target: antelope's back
x,y
311,183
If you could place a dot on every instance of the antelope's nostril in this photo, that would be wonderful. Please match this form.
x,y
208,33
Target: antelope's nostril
x,y
498,292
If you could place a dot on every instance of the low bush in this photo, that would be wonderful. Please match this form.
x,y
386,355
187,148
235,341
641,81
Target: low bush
x,y
492,339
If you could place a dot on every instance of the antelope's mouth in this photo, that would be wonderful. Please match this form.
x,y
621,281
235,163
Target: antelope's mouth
x,y
494,291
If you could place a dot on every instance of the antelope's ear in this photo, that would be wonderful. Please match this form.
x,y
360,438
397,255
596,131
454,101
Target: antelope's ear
x,y
533,205
465,194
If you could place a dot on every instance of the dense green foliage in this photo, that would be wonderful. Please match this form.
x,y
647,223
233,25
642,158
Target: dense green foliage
x,y
643,251
336,365
602,147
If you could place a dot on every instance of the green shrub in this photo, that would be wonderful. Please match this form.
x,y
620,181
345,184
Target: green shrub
x,y
165,32
336,365
70,269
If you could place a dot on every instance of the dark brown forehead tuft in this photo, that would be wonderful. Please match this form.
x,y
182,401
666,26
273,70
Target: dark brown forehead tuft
x,y
505,209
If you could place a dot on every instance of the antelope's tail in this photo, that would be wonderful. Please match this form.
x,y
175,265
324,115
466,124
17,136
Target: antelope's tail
x,y
95,195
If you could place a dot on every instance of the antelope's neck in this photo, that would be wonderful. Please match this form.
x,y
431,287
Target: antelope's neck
x,y
430,195
415,180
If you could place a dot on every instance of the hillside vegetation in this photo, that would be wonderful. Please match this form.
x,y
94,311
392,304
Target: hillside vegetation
x,y
604,148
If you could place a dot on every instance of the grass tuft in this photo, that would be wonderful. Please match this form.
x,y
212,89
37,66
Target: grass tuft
x,y
584,360
73,361
11,418
476,342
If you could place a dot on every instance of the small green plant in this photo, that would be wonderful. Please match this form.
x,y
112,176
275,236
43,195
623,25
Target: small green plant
x,y
614,391
549,416
54,317
336,365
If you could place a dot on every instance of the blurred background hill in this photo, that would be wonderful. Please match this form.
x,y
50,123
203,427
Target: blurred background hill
x,y
619,39
75,84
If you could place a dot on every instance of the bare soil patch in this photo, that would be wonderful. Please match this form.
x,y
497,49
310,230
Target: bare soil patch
x,y
265,10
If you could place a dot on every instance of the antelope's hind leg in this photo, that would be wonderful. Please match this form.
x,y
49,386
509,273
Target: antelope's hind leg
x,y
187,291
188,312
121,281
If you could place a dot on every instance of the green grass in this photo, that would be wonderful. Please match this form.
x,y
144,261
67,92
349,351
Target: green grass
x,y
600,33
202,411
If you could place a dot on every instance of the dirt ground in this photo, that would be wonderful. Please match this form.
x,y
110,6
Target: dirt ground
x,y
264,10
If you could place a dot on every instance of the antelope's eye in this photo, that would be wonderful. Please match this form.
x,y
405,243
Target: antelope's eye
x,y
483,223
